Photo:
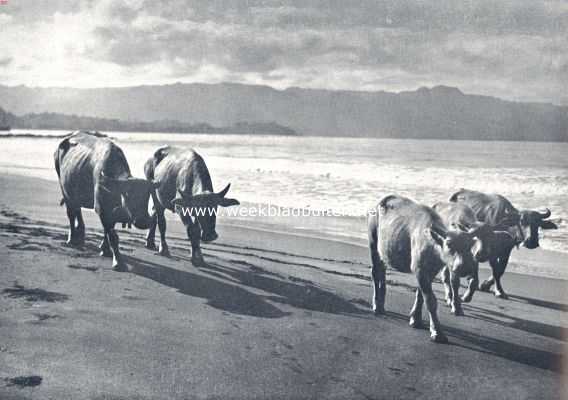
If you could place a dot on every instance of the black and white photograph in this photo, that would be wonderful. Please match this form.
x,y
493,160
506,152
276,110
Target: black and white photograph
x,y
283,199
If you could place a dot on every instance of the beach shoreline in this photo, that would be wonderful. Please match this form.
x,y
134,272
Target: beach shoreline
x,y
271,315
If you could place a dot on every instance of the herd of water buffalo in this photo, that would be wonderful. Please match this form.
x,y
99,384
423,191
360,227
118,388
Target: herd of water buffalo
x,y
452,237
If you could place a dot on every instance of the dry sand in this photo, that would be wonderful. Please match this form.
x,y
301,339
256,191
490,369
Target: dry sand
x,y
271,316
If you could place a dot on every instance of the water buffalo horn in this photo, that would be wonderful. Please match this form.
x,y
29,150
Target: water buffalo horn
x,y
223,192
545,214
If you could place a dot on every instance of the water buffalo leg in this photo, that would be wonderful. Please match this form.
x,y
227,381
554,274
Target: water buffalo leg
x,y
163,248
456,300
105,247
378,273
447,287
416,312
378,269
471,288
72,236
194,234
151,236
80,229
498,273
486,284
436,333
117,262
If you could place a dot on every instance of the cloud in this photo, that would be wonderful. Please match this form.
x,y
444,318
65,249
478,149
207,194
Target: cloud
x,y
513,49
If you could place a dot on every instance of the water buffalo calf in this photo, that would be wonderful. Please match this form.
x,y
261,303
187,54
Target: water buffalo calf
x,y
412,238
487,238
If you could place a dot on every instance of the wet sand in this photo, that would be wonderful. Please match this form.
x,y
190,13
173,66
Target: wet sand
x,y
271,316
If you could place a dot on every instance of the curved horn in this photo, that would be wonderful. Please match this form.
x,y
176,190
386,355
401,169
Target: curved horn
x,y
223,192
463,227
544,214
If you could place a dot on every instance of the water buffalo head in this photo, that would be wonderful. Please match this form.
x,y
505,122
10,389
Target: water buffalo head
x,y
203,209
456,249
134,195
529,222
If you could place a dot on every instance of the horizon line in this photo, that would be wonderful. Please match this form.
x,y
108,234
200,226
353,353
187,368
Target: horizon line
x,y
266,86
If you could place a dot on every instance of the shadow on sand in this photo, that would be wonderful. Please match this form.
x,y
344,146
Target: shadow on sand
x,y
484,344
295,292
540,303
525,325
231,297
220,295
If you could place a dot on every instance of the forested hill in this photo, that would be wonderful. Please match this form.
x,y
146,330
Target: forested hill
x,y
440,112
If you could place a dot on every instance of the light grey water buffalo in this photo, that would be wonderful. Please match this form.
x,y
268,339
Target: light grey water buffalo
x,y
486,238
93,173
412,238
184,185
522,226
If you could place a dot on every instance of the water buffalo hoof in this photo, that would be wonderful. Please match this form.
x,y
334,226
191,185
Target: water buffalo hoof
x,y
120,267
379,311
466,299
416,323
198,262
164,251
439,338
457,311
501,295
151,246
105,253
485,286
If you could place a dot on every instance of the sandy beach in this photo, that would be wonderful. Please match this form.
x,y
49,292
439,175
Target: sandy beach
x,y
272,316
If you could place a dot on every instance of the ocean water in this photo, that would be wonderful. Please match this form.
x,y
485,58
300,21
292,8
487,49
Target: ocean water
x,y
342,174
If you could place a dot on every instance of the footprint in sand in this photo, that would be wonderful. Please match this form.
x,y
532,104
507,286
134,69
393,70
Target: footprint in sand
x,y
344,339
25,381
396,371
44,317
83,267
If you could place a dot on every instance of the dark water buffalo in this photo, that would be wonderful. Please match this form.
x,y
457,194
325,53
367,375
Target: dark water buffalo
x,y
486,238
184,185
412,238
522,226
93,173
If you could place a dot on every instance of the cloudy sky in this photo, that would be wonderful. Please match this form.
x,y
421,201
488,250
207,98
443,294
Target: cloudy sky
x,y
514,49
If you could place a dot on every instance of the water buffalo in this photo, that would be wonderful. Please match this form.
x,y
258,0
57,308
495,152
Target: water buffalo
x,y
522,226
461,216
412,238
93,173
184,185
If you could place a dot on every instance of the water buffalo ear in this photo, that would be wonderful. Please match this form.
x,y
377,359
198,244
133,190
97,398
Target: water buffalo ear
x,y
223,192
437,235
228,202
548,225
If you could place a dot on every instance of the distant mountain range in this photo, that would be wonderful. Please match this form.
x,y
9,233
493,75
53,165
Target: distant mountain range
x,y
74,122
440,112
